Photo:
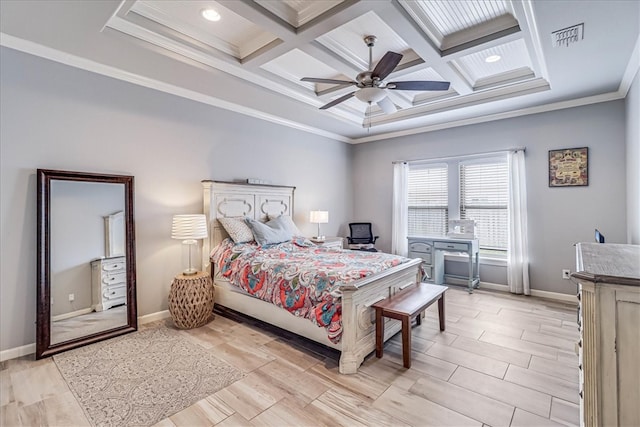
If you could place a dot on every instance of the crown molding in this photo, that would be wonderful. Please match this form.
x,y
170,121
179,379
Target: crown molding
x,y
579,102
55,55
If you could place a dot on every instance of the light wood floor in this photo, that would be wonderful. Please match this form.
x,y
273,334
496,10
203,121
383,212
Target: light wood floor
x,y
503,360
86,324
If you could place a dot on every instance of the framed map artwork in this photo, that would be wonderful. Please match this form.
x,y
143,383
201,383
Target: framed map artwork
x,y
569,167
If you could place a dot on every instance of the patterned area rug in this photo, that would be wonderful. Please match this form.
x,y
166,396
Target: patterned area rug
x,y
141,378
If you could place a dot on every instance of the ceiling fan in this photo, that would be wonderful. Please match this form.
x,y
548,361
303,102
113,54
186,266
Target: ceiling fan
x,y
371,84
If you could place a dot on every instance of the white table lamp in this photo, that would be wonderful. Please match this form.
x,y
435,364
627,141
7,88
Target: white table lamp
x,y
319,217
189,229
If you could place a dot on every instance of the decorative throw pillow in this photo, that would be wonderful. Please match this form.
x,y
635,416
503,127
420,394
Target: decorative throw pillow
x,y
287,223
237,229
269,233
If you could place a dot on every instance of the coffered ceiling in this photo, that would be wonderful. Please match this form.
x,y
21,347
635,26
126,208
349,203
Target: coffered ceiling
x,y
501,57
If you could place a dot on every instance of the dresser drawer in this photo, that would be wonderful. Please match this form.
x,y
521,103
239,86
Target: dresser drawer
x,y
420,247
114,293
451,246
113,266
111,279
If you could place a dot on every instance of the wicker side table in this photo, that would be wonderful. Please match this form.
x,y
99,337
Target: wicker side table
x,y
191,300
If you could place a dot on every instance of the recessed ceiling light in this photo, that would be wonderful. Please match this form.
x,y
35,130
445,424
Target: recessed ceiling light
x,y
493,58
210,15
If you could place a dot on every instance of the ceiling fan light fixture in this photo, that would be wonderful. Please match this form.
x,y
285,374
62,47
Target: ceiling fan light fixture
x,y
210,14
372,85
370,94
492,58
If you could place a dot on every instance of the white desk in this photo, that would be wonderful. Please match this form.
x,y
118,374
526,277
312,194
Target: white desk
x,y
432,248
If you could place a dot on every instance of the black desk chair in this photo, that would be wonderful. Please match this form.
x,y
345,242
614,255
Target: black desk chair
x,y
362,238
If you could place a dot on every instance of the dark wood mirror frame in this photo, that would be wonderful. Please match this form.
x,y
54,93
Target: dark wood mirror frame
x,y
44,347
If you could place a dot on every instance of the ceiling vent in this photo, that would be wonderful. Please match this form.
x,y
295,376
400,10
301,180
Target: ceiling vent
x,y
567,36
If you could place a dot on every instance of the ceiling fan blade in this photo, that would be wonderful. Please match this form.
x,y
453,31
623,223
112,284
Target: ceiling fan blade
x,y
337,101
418,85
328,81
387,64
387,105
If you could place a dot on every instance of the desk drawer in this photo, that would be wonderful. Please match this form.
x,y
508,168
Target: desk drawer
x,y
451,246
420,247
425,257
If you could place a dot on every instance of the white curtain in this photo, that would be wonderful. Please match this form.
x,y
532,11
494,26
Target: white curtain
x,y
518,253
399,219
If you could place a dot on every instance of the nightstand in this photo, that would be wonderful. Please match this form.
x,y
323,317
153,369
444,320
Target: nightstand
x,y
191,300
329,242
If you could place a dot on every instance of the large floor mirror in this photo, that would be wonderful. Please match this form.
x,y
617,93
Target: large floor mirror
x,y
86,259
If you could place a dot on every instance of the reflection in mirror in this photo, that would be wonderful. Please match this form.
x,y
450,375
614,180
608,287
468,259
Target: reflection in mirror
x,y
86,262
78,209
114,234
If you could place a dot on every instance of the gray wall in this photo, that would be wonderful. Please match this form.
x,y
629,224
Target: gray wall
x,y
56,117
558,217
633,162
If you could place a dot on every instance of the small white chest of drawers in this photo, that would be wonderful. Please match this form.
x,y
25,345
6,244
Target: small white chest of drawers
x,y
108,282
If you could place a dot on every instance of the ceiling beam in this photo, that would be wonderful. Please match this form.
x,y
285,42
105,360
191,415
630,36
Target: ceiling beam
x,y
329,58
532,38
397,18
291,37
489,42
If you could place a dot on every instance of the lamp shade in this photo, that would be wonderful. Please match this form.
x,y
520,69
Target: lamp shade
x,y
319,217
189,227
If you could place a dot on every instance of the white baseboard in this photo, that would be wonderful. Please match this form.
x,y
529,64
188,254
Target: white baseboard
x,y
14,353
25,350
71,314
494,286
148,318
534,292
554,295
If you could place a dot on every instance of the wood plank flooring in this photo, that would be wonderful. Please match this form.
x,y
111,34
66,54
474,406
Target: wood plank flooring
x,y
504,360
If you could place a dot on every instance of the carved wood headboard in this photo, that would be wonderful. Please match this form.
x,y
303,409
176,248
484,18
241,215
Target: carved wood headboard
x,y
229,199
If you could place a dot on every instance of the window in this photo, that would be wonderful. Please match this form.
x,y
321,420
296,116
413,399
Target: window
x,y
428,200
461,188
484,197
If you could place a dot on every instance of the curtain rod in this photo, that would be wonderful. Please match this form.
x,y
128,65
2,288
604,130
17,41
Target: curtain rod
x,y
508,150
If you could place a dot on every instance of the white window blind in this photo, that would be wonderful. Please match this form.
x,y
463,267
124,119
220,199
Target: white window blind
x,y
428,200
484,197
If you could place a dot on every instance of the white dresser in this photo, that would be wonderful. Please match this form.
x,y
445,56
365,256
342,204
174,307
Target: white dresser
x,y
108,282
609,322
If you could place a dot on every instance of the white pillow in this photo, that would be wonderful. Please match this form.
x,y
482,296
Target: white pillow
x,y
237,229
269,233
287,223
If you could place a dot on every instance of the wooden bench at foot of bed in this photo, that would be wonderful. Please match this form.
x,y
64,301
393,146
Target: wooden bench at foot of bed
x,y
404,306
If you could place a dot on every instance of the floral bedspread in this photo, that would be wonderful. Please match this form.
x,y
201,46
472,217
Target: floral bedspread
x,y
299,276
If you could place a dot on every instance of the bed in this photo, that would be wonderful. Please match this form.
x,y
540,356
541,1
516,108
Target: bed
x,y
259,202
